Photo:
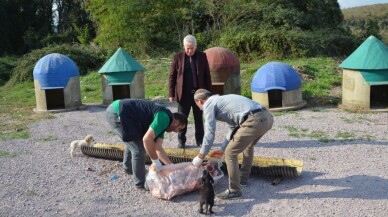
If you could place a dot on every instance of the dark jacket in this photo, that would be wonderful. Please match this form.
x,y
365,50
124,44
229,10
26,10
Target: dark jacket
x,y
136,116
177,73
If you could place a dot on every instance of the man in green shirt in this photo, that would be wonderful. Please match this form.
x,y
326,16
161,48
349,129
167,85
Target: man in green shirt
x,y
141,125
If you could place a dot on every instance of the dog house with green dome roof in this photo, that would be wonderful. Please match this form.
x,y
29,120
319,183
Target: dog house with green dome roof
x,y
122,77
277,86
365,77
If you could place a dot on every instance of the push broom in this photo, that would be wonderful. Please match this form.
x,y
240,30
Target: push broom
x,y
277,167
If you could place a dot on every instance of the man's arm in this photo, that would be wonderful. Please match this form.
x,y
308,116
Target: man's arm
x,y
152,143
149,143
161,153
208,139
173,78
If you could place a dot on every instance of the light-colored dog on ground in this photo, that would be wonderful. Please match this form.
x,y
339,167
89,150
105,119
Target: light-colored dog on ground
x,y
78,143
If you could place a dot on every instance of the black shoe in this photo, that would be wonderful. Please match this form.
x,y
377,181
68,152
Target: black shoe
x,y
199,144
244,182
129,172
143,188
181,146
227,195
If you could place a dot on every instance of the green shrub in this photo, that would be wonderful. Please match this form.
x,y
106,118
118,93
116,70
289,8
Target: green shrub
x,y
283,43
6,66
86,57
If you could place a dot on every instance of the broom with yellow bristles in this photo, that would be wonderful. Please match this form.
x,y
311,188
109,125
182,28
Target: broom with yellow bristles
x,y
277,167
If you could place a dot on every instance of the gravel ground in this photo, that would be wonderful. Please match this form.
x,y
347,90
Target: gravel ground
x,y
345,170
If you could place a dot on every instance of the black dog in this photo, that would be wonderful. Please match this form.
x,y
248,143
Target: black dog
x,y
207,193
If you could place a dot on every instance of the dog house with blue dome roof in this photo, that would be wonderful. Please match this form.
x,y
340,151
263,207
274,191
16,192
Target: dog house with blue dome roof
x,y
277,86
57,84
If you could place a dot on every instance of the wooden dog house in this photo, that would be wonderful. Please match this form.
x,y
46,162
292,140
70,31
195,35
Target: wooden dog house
x,y
224,70
57,84
365,77
277,86
121,77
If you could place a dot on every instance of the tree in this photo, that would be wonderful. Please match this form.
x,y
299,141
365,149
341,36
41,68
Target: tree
x,y
24,22
143,27
370,27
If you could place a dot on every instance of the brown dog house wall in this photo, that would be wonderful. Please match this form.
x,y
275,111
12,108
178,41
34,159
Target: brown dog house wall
x,y
224,71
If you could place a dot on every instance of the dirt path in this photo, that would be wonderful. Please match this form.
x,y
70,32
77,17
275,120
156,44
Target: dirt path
x,y
345,170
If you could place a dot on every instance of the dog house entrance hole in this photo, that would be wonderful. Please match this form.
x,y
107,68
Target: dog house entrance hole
x,y
379,96
121,92
55,99
218,88
275,98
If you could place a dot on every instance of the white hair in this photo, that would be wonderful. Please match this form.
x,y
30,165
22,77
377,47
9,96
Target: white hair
x,y
189,39
202,94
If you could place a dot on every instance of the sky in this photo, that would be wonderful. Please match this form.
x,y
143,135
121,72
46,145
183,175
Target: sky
x,y
356,3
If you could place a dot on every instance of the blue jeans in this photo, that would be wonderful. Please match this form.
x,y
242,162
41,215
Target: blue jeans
x,y
134,154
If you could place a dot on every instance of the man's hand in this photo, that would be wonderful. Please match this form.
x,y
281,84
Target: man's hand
x,y
197,161
153,175
217,153
156,165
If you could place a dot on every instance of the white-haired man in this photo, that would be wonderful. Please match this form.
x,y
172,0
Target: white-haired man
x,y
189,71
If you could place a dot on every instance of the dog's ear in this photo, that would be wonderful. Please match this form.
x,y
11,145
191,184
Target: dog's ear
x,y
89,138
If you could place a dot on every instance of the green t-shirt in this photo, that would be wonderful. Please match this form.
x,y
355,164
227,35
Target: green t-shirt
x,y
159,124
116,107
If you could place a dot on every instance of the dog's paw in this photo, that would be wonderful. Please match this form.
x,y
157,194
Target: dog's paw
x,y
89,169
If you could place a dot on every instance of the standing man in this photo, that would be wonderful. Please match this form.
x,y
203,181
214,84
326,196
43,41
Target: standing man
x,y
141,125
189,71
248,121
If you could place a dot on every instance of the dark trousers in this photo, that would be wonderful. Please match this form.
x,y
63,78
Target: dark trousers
x,y
186,103
134,154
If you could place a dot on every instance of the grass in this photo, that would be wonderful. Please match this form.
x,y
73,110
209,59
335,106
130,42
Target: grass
x,y
7,154
344,135
322,136
47,139
319,76
16,111
291,129
282,113
156,77
31,193
356,119
91,89
303,133
17,102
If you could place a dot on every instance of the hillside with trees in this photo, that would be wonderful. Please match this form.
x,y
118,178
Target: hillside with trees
x,y
254,29
265,28
368,20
